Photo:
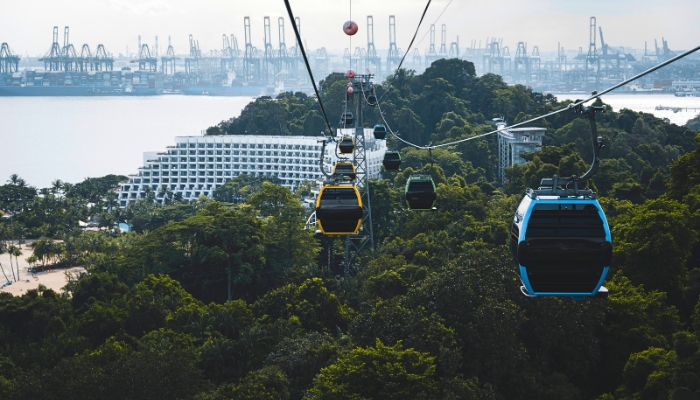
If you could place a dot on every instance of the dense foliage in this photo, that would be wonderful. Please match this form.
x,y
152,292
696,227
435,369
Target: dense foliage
x,y
231,298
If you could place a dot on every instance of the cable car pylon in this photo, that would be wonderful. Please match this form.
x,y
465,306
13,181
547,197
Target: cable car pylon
x,y
355,243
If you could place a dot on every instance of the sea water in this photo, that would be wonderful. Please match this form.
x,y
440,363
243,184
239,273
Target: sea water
x,y
72,138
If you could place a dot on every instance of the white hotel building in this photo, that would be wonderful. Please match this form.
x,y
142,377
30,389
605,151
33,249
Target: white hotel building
x,y
197,165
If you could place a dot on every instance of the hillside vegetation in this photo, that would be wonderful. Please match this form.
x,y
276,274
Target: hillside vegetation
x,y
217,299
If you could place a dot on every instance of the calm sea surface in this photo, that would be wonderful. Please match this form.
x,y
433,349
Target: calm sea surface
x,y
71,138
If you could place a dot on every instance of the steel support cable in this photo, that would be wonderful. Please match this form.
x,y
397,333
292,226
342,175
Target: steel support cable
x,y
409,47
381,114
595,95
436,20
308,67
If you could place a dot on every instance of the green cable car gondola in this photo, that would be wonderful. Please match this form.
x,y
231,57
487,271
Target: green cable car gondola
x,y
339,210
380,132
344,169
420,192
392,160
346,145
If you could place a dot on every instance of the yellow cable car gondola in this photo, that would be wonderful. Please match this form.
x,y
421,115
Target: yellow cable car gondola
x,y
344,170
339,210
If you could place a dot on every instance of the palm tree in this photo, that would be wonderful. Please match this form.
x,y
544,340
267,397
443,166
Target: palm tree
x,y
11,251
16,252
56,186
17,181
3,250
66,187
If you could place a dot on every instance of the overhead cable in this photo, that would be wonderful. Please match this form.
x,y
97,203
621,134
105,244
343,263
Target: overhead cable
x,y
593,96
308,67
409,48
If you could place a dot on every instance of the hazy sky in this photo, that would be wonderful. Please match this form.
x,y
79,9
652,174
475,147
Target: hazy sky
x,y
27,26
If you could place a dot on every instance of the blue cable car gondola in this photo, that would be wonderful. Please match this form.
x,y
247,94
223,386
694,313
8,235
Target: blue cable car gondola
x,y
560,238
562,244
380,132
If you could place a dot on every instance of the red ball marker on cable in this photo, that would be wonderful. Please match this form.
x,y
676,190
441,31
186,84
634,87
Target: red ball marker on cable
x,y
350,28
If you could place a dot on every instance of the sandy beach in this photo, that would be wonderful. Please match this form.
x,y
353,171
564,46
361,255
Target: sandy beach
x,y
55,279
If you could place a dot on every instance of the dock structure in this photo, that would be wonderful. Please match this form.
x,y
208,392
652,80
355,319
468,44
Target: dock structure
x,y
266,65
9,62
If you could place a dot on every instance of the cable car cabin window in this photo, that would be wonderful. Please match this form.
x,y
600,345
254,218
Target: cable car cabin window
x,y
338,197
565,248
514,237
420,187
565,221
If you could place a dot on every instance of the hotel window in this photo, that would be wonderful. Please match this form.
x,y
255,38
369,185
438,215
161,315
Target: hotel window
x,y
227,145
218,152
200,145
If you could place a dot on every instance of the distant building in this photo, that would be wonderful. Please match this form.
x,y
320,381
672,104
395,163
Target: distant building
x,y
198,165
513,142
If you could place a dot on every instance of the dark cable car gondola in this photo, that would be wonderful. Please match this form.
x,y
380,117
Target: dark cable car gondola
x,y
346,145
392,160
338,210
420,192
380,132
347,119
344,170
372,100
560,238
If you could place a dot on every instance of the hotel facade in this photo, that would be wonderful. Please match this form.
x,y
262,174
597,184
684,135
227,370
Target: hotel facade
x,y
197,165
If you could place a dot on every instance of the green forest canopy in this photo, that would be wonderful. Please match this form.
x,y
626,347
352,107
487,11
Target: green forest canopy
x,y
433,313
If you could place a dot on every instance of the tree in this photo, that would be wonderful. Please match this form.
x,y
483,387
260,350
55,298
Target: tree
x,y
380,372
658,233
694,123
301,358
457,72
288,243
311,303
